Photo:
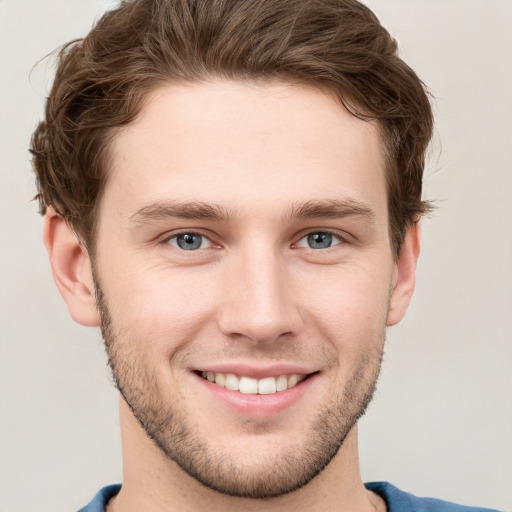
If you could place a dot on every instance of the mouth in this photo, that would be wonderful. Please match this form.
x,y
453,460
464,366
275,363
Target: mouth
x,y
251,386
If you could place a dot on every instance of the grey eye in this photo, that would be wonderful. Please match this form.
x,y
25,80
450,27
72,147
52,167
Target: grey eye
x,y
189,241
319,240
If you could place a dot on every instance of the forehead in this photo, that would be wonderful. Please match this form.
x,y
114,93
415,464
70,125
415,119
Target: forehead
x,y
252,147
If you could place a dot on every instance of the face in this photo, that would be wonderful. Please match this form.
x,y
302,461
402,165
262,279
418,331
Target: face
x,y
244,273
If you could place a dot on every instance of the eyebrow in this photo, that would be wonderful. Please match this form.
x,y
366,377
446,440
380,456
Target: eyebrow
x,y
191,210
198,210
332,209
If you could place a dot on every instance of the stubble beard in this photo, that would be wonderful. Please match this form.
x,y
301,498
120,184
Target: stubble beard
x,y
228,473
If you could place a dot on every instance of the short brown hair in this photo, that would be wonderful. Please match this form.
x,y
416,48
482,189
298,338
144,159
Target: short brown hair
x,y
336,45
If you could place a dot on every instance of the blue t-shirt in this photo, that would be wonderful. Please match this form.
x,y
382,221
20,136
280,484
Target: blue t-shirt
x,y
396,500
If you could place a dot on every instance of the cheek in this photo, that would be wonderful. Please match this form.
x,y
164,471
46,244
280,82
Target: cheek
x,y
160,308
351,308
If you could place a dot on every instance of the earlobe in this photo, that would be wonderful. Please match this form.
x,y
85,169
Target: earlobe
x,y
405,275
71,268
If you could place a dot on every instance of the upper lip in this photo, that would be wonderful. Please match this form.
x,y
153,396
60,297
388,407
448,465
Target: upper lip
x,y
255,372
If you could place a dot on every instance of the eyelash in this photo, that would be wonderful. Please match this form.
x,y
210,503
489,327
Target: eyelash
x,y
327,233
167,240
338,240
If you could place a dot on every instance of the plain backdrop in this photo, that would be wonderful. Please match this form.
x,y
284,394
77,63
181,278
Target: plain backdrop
x,y
441,423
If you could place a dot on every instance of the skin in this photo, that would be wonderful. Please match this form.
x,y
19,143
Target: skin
x,y
253,296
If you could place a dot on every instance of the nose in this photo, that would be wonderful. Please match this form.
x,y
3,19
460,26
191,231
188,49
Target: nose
x,y
259,300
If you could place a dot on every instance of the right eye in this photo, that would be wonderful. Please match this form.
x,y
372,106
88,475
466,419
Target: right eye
x,y
189,241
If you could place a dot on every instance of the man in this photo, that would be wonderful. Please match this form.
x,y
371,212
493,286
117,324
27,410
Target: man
x,y
232,191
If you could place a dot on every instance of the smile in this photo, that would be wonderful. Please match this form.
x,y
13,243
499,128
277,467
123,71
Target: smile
x,y
250,386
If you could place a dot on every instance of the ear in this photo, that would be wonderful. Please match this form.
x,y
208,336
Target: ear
x,y
404,275
71,268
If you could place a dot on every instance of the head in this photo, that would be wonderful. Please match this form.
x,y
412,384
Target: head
x,y
243,180
336,46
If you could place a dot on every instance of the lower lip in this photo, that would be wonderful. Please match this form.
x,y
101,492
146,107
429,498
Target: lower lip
x,y
260,405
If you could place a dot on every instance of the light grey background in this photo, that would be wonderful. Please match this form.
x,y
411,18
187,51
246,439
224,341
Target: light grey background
x,y
441,424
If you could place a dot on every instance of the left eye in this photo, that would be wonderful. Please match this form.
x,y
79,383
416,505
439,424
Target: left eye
x,y
189,241
319,240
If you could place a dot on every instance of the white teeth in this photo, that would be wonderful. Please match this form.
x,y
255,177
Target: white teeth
x,y
292,380
231,382
220,379
282,383
267,386
250,386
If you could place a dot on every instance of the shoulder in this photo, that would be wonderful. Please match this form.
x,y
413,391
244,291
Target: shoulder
x,y
101,499
400,501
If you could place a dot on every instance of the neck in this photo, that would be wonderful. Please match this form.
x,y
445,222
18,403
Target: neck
x,y
153,482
